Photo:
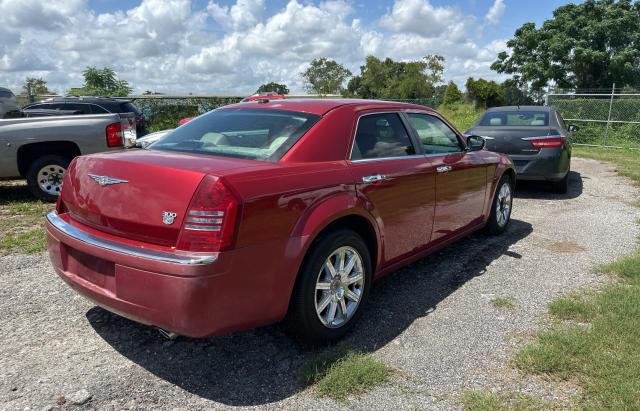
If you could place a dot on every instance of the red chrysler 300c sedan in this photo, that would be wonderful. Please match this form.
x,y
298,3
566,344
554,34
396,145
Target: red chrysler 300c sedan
x,y
268,210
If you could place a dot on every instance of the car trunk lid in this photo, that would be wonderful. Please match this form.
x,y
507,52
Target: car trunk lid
x,y
141,195
510,140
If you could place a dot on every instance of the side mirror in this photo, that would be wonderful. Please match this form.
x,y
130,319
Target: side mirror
x,y
573,128
475,143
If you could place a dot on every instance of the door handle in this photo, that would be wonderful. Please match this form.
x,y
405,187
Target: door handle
x,y
373,178
444,169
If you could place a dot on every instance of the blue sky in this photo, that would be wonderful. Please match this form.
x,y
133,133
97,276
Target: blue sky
x,y
229,47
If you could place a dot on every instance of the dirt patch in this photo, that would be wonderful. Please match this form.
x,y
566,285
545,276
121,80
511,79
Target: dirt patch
x,y
565,247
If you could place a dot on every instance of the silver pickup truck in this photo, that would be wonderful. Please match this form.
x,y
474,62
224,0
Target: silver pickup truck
x,y
41,148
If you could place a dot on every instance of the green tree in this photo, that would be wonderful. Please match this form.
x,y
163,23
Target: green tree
x,y
324,76
35,87
515,95
102,82
397,79
484,93
273,87
452,94
589,45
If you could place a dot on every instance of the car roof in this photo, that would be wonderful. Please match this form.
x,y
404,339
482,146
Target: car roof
x,y
320,106
87,99
520,108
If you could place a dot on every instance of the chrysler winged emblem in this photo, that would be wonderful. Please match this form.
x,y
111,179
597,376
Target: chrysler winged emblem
x,y
168,217
106,180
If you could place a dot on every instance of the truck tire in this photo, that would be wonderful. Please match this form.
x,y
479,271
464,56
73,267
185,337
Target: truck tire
x,y
44,176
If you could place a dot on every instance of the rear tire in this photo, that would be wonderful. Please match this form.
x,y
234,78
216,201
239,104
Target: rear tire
x,y
44,176
562,186
325,307
501,207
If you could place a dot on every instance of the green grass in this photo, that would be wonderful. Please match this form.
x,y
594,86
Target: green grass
x,y
504,302
487,401
339,373
627,161
21,219
462,116
603,358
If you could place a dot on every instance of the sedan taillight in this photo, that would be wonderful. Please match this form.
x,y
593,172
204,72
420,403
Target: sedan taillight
x,y
210,222
115,137
546,141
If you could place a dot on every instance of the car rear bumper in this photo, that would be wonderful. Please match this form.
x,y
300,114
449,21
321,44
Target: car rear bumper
x,y
195,295
549,164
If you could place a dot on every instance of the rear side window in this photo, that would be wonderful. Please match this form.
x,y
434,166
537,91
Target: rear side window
x,y
515,118
242,133
6,94
81,108
435,135
381,136
96,109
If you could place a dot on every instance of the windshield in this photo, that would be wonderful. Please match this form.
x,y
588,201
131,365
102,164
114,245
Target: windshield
x,y
515,118
242,133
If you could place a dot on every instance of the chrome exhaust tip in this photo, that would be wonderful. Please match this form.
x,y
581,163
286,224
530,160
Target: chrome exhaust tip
x,y
167,334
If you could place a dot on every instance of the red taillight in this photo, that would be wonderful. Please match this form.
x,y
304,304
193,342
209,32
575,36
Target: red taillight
x,y
115,135
547,142
210,222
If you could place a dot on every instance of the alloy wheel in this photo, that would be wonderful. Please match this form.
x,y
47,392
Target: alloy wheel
x,y
339,287
503,208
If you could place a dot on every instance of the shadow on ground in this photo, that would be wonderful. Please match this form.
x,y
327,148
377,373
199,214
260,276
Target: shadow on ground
x,y
262,366
14,190
542,190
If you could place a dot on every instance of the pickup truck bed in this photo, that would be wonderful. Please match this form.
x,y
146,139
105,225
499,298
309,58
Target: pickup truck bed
x,y
41,148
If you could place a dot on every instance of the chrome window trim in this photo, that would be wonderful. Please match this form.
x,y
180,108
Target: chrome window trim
x,y
405,157
126,249
355,132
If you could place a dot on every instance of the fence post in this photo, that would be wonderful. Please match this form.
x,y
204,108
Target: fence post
x,y
606,130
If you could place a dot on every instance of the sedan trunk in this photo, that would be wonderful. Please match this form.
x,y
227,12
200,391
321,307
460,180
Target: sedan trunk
x,y
142,195
509,140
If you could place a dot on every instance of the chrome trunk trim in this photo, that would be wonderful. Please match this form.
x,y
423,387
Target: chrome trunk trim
x,y
155,255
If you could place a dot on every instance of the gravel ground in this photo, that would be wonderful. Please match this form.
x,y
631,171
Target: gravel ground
x,y
433,322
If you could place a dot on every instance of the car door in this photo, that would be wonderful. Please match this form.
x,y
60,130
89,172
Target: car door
x,y
461,176
395,181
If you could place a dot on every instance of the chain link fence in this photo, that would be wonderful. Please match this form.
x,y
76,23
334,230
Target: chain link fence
x,y
605,118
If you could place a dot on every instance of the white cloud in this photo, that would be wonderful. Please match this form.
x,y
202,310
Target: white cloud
x,y
172,46
496,12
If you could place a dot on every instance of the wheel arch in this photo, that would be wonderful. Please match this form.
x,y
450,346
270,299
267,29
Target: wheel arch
x,y
28,153
342,211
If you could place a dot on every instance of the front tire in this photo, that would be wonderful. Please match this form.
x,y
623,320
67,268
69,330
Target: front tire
x,y
44,176
501,207
332,288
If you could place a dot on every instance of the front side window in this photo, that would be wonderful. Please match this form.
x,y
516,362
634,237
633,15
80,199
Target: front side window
x,y
381,136
435,135
242,133
515,118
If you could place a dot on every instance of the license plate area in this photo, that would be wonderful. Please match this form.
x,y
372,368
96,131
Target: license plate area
x,y
93,269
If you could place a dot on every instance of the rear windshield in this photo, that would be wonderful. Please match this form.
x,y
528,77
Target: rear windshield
x,y
242,133
515,118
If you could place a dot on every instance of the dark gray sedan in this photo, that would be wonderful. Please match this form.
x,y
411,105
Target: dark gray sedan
x,y
535,137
